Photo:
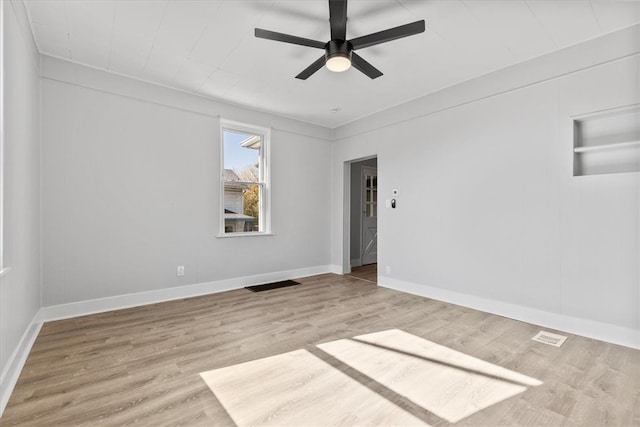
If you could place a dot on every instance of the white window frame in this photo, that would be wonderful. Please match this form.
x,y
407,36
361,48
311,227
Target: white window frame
x,y
265,175
3,268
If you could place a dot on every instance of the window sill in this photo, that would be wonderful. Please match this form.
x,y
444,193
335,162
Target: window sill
x,y
229,235
4,271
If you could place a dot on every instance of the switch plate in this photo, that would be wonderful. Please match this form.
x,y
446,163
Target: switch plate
x,y
180,271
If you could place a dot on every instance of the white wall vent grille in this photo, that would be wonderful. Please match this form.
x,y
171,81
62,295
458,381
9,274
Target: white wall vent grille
x,y
550,338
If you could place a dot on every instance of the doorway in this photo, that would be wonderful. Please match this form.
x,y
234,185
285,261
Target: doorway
x,y
364,219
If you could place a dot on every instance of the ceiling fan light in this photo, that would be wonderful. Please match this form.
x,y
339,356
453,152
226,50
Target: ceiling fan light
x,y
338,63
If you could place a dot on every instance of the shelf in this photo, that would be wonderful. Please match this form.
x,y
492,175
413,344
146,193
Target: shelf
x,y
607,142
586,149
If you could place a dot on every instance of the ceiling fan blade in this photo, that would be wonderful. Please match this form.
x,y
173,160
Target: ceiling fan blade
x,y
388,35
307,72
362,65
338,19
287,38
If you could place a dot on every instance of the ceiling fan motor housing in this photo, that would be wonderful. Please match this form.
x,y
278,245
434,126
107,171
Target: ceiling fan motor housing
x,y
338,48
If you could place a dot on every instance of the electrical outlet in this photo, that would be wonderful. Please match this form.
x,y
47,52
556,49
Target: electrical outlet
x,y
388,269
180,271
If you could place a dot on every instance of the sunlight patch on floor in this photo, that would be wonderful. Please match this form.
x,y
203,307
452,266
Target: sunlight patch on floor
x,y
448,383
299,389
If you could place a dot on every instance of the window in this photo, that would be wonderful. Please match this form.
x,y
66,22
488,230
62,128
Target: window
x,y
3,269
244,179
371,193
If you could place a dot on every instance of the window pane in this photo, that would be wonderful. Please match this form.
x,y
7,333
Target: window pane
x,y
241,207
242,156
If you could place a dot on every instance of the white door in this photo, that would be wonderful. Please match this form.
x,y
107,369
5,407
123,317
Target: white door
x,y
369,247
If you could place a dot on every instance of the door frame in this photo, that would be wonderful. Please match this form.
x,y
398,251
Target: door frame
x,y
346,210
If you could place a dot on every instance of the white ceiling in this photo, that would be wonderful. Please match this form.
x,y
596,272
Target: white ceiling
x,y
208,47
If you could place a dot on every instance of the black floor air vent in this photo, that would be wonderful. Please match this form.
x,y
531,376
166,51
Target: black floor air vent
x,y
274,285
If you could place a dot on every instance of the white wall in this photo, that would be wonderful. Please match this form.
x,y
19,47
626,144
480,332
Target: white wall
x,y
497,219
131,189
20,287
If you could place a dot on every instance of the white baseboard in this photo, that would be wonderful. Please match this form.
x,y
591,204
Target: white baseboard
x,y
335,269
588,328
82,308
17,360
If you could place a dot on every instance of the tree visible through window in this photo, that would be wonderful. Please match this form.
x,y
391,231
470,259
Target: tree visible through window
x,y
244,178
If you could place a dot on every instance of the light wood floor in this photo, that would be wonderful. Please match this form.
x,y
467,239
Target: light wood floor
x,y
141,365
366,272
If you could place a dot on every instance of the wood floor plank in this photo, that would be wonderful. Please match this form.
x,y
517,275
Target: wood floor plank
x,y
367,272
140,366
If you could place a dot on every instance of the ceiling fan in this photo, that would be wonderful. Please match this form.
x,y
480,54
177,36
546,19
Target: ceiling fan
x,y
339,52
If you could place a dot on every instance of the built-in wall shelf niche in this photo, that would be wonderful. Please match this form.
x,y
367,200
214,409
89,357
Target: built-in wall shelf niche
x,y
607,142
